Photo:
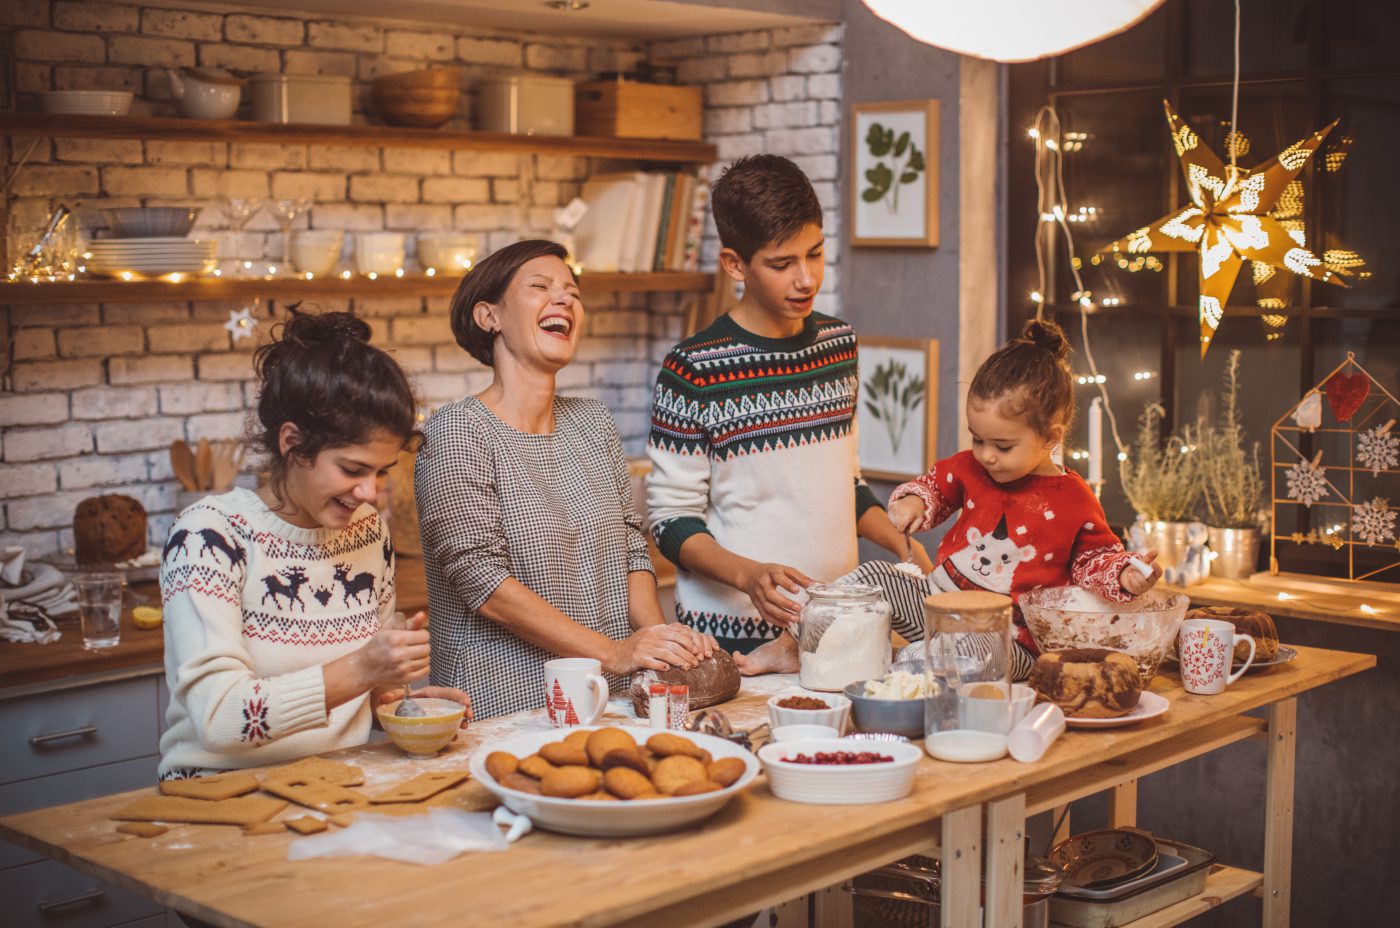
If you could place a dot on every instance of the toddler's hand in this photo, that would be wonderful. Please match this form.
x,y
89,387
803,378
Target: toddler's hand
x,y
907,513
1134,582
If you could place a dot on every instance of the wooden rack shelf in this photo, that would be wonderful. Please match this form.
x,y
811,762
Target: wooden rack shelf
x,y
144,291
227,130
1222,885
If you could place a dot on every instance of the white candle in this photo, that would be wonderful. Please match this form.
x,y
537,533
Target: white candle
x,y
1096,441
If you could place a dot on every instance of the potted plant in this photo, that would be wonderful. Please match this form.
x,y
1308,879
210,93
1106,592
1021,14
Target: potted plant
x,y
1162,482
1232,485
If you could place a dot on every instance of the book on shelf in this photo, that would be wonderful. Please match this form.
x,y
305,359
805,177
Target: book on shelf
x,y
639,221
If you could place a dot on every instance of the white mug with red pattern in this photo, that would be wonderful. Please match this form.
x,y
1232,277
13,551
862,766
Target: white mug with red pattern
x,y
575,692
1205,648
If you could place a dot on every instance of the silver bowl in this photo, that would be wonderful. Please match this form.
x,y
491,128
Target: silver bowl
x,y
151,221
895,716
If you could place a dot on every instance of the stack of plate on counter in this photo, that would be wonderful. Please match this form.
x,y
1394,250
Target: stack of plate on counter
x,y
151,257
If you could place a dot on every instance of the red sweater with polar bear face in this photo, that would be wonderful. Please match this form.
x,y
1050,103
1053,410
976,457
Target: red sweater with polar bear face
x,y
1019,536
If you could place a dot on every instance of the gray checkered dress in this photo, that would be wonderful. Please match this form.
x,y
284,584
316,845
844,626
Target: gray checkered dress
x,y
551,511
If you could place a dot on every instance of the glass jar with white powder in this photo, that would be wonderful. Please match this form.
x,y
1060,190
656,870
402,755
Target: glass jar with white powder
x,y
844,637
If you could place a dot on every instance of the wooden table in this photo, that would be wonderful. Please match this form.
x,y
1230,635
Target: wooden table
x,y
758,851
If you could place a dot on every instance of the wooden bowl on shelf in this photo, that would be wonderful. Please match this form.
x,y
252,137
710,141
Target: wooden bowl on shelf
x,y
426,98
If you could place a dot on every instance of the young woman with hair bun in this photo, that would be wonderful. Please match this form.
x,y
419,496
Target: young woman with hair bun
x,y
279,601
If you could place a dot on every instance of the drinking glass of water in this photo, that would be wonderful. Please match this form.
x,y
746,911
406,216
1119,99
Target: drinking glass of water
x,y
100,608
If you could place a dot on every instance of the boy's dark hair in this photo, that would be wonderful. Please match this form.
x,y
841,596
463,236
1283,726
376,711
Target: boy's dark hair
x,y
488,282
321,374
1030,376
761,200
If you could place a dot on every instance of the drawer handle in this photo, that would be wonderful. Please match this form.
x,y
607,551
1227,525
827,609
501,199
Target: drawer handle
x,y
85,731
91,897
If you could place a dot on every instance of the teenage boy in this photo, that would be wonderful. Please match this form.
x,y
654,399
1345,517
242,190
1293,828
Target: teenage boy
x,y
755,489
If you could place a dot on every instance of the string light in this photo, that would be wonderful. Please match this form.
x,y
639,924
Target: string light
x,y
398,272
1285,597
429,272
1144,375
1037,297
1367,608
344,275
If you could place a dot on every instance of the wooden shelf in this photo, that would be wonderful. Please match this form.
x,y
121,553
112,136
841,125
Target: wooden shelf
x,y
211,288
1222,885
227,130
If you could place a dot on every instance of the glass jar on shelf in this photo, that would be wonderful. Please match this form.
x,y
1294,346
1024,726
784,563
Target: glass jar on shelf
x,y
844,636
967,658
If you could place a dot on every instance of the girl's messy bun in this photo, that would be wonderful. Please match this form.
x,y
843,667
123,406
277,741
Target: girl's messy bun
x,y
1030,376
321,374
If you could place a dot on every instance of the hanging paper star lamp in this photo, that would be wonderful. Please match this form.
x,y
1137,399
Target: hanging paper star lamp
x,y
1228,221
1012,30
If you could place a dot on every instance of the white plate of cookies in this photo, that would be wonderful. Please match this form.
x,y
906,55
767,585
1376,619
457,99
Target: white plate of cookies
x,y
614,781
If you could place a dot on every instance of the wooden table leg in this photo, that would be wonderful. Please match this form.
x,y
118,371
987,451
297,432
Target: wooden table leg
x,y
1006,854
1278,811
1122,812
791,914
833,907
961,863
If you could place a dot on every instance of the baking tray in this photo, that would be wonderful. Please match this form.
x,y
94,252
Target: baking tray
x,y
1167,885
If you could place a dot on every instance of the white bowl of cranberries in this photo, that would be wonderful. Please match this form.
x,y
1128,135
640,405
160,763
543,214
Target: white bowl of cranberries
x,y
840,771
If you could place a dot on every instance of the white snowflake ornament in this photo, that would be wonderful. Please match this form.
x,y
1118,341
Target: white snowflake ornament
x,y
1307,481
1374,521
1378,449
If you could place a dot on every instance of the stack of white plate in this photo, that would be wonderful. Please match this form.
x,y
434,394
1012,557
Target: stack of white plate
x,y
151,257
86,102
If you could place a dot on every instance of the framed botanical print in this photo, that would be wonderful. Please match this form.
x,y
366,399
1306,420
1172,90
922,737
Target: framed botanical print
x,y
898,414
894,174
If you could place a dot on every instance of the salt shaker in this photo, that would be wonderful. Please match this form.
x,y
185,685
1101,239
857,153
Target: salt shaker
x,y
657,710
679,697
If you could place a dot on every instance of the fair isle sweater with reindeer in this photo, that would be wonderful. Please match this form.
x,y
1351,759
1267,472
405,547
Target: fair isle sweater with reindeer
x,y
254,606
1038,531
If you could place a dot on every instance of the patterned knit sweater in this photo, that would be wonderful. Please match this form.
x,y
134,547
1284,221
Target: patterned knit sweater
x,y
753,441
1015,537
253,607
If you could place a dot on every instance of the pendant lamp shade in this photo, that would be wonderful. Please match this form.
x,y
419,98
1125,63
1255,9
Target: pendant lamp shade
x,y
1011,30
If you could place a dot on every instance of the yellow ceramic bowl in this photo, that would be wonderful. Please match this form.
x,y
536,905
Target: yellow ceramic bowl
x,y
427,735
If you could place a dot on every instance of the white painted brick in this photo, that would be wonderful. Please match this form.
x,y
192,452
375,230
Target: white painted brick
x,y
702,70
766,64
152,369
32,344
95,17
28,480
786,115
266,156
501,52
99,77
336,158
369,68
485,164
155,53
315,186
120,181
830,114
442,388
824,87
476,218
228,366
617,322
456,190
814,141
755,41
239,57
189,398
301,61
69,48
37,376
421,330
182,24
417,161
814,34
410,217
814,59
38,409
739,146
102,471
787,87
575,375
505,190
42,180
414,360
348,216
351,37
101,341
215,425
540,57
53,510
736,93
137,434
421,46
33,13
614,59
106,151
59,441
32,77
677,48
727,120
451,359
384,309
192,336
114,403
560,167
264,30
220,184
384,188
818,167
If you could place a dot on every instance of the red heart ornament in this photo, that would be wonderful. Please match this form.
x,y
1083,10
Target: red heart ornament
x,y
1346,393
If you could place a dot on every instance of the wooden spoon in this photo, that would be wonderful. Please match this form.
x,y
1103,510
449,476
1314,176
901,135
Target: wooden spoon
x,y
226,463
182,463
204,464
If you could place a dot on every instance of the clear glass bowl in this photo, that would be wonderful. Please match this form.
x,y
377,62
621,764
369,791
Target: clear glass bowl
x,y
1072,617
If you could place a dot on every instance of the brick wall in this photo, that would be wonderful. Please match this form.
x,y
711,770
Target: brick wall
x,y
96,393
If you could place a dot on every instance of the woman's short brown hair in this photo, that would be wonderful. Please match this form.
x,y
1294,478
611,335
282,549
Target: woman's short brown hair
x,y
488,282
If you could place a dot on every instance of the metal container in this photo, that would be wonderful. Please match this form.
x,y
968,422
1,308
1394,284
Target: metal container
x,y
526,104
1180,874
906,894
300,98
1169,540
1236,552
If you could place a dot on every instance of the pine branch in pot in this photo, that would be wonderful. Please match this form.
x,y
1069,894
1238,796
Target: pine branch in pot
x,y
1232,484
1162,482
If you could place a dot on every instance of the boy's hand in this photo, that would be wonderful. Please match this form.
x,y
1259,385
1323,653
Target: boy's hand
x,y
1134,582
907,513
765,585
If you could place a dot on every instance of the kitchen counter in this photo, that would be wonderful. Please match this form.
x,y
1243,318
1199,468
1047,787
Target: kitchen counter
x,y
757,851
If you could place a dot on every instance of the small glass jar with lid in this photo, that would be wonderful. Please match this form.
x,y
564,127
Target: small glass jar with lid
x,y
844,636
967,656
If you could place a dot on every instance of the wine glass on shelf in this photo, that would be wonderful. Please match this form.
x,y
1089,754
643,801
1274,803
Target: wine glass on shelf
x,y
287,210
237,212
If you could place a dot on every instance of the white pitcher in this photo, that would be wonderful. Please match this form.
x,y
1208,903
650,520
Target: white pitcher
x,y
205,93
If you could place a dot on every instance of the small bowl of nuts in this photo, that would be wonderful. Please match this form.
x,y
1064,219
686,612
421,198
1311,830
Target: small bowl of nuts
x,y
802,707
